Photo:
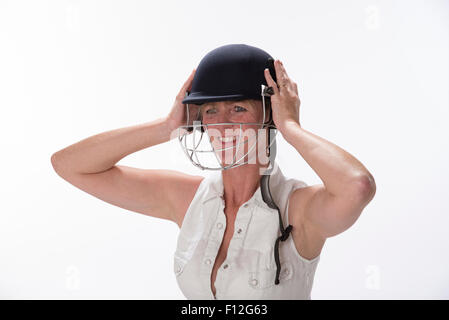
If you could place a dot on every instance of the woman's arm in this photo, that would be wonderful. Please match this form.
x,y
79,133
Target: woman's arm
x,y
332,207
100,152
90,165
340,172
347,186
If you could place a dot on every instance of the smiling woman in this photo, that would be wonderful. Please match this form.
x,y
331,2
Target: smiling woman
x,y
231,222
239,122
232,115
232,129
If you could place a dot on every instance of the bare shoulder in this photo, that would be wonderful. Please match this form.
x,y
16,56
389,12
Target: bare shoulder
x,y
308,241
183,194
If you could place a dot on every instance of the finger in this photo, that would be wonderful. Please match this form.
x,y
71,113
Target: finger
x,y
285,81
187,86
271,82
190,80
283,69
285,78
280,76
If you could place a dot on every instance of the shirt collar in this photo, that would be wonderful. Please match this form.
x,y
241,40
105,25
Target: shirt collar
x,y
215,190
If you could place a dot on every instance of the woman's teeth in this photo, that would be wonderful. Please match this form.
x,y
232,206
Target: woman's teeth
x,y
226,139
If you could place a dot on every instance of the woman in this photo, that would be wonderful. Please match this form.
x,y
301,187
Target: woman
x,y
228,246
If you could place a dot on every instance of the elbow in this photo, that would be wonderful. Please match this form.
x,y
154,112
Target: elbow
x,y
55,162
365,187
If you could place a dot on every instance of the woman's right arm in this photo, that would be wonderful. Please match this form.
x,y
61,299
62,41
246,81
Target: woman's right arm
x,y
90,165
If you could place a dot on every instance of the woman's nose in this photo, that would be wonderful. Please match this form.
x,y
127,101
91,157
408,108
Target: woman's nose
x,y
222,117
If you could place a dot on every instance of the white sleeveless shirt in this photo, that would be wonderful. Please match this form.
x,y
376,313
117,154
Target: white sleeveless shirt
x,y
249,269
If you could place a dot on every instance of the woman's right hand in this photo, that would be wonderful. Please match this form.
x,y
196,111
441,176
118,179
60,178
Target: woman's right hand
x,y
176,117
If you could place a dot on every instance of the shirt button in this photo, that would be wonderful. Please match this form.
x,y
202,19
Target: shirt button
x,y
239,230
208,261
254,282
219,225
245,205
286,272
225,266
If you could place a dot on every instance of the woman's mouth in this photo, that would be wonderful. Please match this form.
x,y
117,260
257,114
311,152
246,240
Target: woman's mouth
x,y
225,140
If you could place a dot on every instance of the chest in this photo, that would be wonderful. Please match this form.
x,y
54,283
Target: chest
x,y
227,236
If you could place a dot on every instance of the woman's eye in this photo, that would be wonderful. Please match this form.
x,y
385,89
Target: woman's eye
x,y
236,108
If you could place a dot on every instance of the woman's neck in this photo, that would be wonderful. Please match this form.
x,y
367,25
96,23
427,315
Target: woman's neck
x,y
240,183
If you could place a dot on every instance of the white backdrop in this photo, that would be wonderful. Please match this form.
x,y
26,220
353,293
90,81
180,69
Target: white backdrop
x,y
373,78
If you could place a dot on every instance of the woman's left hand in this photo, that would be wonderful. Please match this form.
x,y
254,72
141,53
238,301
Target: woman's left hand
x,y
285,100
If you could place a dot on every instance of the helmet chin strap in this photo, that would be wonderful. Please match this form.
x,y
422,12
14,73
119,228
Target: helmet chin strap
x,y
268,199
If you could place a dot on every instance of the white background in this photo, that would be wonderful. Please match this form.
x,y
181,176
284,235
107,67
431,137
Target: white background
x,y
373,78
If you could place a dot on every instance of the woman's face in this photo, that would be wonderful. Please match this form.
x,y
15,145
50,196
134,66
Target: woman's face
x,y
227,137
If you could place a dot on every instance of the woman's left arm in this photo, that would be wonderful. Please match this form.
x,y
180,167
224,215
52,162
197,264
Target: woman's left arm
x,y
347,185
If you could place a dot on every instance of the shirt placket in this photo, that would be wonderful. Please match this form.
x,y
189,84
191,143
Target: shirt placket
x,y
226,270
212,247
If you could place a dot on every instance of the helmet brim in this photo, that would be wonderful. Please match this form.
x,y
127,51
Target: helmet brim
x,y
198,98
